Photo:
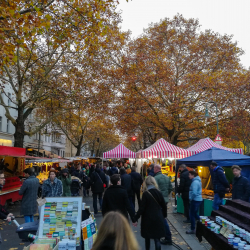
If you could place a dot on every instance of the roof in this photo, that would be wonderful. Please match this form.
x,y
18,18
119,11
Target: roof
x,y
207,143
222,157
12,151
164,149
119,152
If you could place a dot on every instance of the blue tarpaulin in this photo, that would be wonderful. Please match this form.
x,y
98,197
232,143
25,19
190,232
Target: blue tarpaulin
x,y
222,157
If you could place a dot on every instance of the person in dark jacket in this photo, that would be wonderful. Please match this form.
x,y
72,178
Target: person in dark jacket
x,y
78,172
241,187
153,212
137,182
116,199
97,179
127,184
85,183
29,191
72,168
150,170
183,189
220,184
112,169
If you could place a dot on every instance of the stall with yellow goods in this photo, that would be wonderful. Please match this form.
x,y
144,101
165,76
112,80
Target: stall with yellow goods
x,y
201,163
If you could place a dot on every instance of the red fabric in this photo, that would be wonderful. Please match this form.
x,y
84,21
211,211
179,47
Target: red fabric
x,y
12,151
119,152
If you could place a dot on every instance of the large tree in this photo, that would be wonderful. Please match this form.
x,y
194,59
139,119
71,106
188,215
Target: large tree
x,y
166,77
40,42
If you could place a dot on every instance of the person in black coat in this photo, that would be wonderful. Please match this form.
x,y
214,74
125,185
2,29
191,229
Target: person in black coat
x,y
241,187
126,182
183,189
78,173
220,184
116,199
153,212
112,169
97,180
136,185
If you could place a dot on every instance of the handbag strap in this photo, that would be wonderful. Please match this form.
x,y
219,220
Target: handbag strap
x,y
99,177
154,198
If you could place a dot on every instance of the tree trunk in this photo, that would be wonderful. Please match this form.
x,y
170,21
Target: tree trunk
x,y
79,146
19,133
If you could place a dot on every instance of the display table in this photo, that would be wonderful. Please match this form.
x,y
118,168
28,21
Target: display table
x,y
11,194
237,212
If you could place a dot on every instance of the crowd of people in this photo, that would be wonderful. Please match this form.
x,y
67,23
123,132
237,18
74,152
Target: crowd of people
x,y
117,186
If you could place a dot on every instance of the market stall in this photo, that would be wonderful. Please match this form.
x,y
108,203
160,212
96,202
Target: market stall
x,y
202,161
228,227
120,152
162,152
207,143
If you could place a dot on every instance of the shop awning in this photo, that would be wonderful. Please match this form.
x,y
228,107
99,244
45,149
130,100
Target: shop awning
x,y
164,149
12,151
119,152
207,143
221,157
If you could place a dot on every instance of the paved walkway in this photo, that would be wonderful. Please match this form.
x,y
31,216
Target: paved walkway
x,y
178,228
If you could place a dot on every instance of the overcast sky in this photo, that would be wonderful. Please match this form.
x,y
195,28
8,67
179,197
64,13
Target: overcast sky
x,y
224,16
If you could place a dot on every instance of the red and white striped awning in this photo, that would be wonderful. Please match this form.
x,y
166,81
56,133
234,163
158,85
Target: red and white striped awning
x,y
119,152
164,149
207,143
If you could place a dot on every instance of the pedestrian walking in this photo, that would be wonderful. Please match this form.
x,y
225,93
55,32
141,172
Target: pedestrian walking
x,y
113,170
52,187
78,172
117,236
165,186
97,180
85,183
150,170
29,191
137,182
183,189
195,198
65,178
241,187
116,199
220,184
127,184
152,211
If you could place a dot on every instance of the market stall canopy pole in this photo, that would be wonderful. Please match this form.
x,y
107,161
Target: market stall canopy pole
x,y
207,143
119,152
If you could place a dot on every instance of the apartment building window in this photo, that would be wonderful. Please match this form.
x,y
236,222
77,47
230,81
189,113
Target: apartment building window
x,y
9,99
8,126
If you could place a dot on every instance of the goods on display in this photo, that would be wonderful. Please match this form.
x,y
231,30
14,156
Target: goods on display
x,y
60,218
89,233
237,237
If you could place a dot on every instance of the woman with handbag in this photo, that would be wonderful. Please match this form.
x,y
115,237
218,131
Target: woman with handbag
x,y
153,212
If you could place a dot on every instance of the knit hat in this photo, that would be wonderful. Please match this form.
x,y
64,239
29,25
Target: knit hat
x,y
65,170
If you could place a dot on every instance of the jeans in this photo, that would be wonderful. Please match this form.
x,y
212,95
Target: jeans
x,y
157,244
217,201
131,198
186,207
85,191
194,209
138,195
168,232
95,201
28,218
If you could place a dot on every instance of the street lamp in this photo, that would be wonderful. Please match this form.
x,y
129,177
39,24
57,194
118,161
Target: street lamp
x,y
207,115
